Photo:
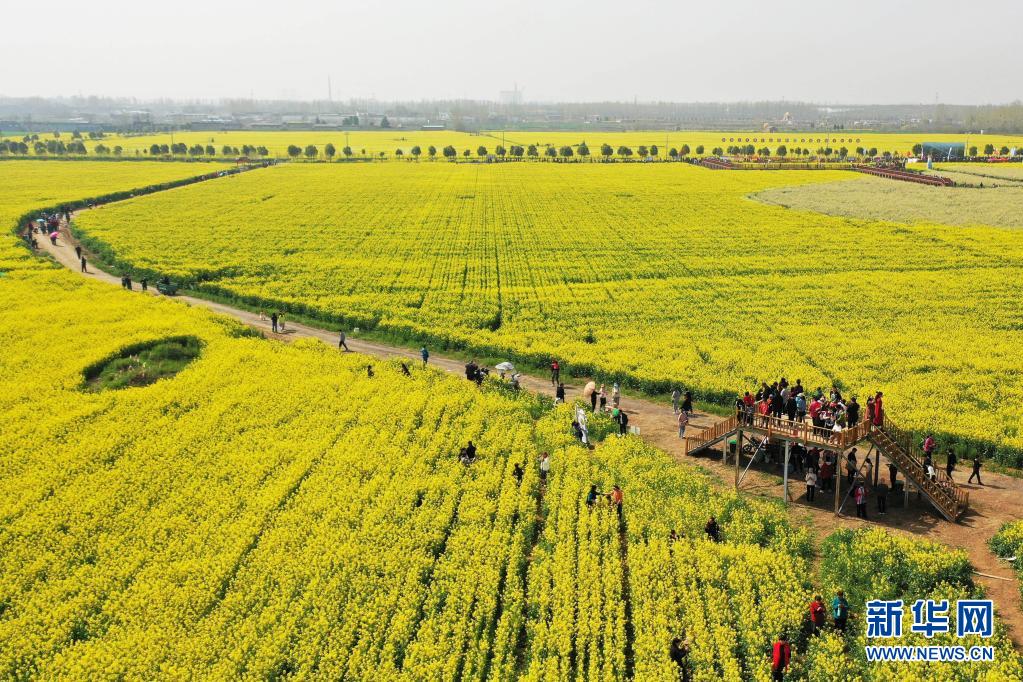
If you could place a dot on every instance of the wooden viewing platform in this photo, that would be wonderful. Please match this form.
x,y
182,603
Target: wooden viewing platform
x,y
898,446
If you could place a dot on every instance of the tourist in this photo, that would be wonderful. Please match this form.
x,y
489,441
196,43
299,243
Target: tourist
x,y
798,388
591,497
369,371
950,463
405,370
860,496
545,466
929,446
870,409
145,284
818,615
850,465
616,498
273,322
555,372
78,251
827,472
678,652
878,409
781,654
603,398
280,322
868,469
593,400
673,536
893,473
811,485
580,418
518,473
425,355
712,530
881,491
976,470
852,411
623,423
470,451
840,610
932,473
676,396
683,422
687,403
471,370
559,394
791,408
341,338
616,394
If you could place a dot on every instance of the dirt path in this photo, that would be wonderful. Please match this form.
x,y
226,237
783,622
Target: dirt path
x,y
997,502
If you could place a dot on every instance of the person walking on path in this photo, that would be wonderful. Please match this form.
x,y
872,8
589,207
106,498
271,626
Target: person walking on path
x,y
273,322
603,398
425,354
84,268
800,407
860,495
850,465
341,338
616,395
145,284
881,491
559,394
676,396
78,250
623,423
687,403
545,466
929,446
555,373
818,615
683,422
840,610
852,412
593,398
950,463
811,484
893,474
781,655
976,470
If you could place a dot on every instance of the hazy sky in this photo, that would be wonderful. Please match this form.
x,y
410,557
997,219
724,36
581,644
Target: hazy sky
x,y
868,51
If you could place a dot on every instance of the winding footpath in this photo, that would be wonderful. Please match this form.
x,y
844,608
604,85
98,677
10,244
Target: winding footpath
x,y
997,502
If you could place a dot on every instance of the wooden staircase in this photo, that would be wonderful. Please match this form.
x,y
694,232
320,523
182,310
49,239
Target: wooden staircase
x,y
894,443
899,447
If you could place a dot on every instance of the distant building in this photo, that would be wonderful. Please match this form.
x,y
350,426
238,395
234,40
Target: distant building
x,y
511,97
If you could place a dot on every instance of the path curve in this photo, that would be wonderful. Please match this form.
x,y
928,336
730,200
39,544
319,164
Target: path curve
x,y
990,506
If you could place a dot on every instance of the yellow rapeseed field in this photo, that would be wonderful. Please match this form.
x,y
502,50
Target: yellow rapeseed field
x,y
272,511
657,275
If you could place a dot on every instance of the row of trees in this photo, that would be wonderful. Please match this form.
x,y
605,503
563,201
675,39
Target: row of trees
x,y
514,151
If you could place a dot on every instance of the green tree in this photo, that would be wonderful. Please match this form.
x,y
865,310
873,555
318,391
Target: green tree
x,y
329,150
684,151
431,151
225,150
551,152
654,151
642,151
118,150
262,151
449,152
211,150
517,151
917,149
467,153
311,152
500,151
481,151
583,150
294,151
624,151
398,152
1004,151
533,151
989,149
416,151
154,150
699,149
347,151
872,152
973,150
843,152
606,150
102,149
673,153
717,151
782,151
384,123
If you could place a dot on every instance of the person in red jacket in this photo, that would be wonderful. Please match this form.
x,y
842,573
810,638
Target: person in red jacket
x,y
780,655
878,410
818,614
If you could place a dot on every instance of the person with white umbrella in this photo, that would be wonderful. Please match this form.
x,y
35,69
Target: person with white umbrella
x,y
504,367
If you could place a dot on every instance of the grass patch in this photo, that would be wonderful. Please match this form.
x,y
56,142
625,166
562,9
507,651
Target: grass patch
x,y
142,364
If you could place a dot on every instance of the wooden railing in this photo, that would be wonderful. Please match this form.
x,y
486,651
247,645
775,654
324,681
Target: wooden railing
x,y
896,174
710,435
